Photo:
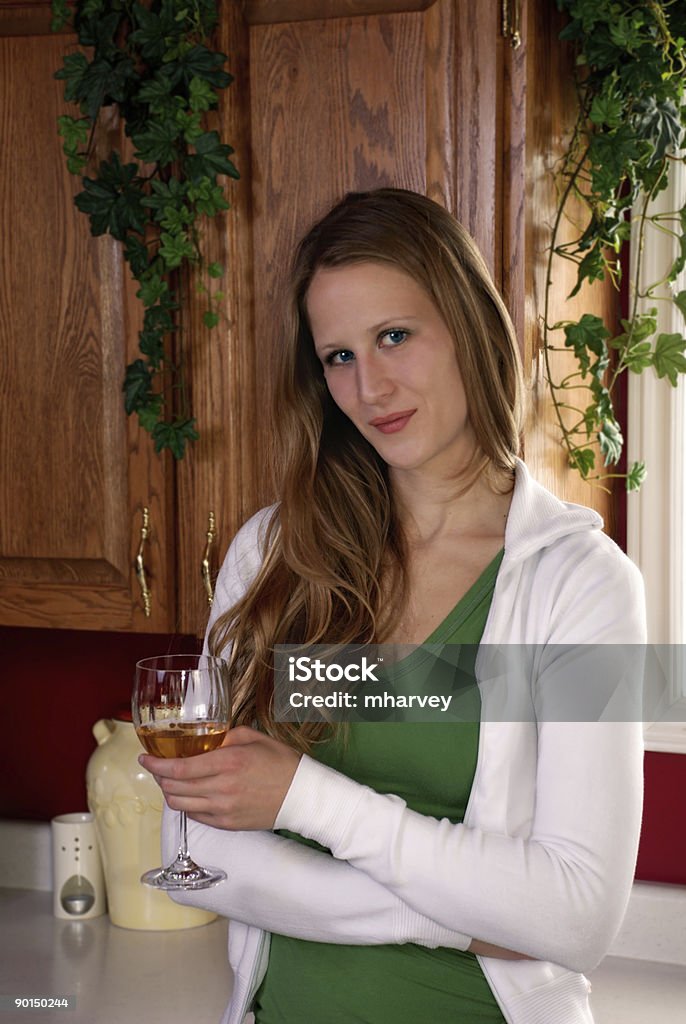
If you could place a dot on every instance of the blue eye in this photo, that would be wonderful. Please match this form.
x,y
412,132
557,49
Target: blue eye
x,y
339,358
394,337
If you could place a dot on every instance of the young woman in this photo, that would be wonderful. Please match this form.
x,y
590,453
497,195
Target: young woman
x,y
395,872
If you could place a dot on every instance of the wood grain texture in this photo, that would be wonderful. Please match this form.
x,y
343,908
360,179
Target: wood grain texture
x,y
478,126
270,12
222,472
440,102
550,116
27,18
335,106
67,494
514,182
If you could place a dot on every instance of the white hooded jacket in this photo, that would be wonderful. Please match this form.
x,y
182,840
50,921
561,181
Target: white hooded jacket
x,y
544,860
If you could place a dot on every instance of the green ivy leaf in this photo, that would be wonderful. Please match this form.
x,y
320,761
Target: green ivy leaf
x,y
151,60
175,247
160,144
680,302
660,124
105,81
98,29
636,476
611,442
174,436
202,96
136,255
61,15
74,131
216,270
92,8
160,317
113,200
149,415
157,92
76,162
152,289
588,335
176,219
154,29
639,357
189,125
151,344
201,63
636,330
211,157
607,110
680,261
137,385
208,197
166,194
591,268
583,460
74,67
668,358
210,318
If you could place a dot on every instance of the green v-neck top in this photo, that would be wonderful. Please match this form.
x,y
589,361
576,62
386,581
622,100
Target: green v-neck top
x,y
431,766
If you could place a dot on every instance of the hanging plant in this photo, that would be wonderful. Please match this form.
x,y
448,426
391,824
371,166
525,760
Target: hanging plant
x,y
631,127
154,60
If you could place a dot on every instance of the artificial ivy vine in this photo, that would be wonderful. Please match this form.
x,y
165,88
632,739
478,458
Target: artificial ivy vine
x,y
631,126
154,60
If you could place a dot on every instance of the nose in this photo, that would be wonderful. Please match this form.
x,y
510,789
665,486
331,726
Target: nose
x,y
373,380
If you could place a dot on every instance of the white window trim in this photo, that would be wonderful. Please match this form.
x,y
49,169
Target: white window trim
x,y
656,515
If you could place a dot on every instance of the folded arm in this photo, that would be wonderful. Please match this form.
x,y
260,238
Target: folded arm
x,y
283,886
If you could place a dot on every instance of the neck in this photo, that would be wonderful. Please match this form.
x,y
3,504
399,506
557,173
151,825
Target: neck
x,y
430,507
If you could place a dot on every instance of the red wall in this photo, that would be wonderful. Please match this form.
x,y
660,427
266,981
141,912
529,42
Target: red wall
x,y
59,682
662,853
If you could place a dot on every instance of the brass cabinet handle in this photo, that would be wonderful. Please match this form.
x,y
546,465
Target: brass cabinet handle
x,y
205,564
510,16
140,565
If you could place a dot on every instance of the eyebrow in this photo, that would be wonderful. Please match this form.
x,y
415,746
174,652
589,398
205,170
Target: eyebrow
x,y
374,329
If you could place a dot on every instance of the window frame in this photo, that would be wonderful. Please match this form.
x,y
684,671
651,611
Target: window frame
x,y
656,514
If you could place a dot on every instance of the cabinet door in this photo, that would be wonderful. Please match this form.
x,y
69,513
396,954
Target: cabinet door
x,y
75,475
329,96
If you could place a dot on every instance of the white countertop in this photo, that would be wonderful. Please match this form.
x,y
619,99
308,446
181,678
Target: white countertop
x,y
117,975
627,991
182,976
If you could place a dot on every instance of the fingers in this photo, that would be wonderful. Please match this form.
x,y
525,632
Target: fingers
x,y
198,767
203,765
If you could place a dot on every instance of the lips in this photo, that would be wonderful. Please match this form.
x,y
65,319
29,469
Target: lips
x,y
394,422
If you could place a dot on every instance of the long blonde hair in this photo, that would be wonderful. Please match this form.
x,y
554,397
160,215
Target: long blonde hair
x,y
334,565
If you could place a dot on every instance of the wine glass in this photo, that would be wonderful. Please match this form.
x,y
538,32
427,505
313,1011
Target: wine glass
x,y
181,706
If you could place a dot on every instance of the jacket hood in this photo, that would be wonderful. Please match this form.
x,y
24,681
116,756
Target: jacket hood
x,y
537,518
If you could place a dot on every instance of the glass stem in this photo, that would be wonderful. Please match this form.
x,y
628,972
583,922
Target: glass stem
x,y
183,837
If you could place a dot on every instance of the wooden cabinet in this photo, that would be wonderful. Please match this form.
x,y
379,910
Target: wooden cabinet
x,y
329,96
74,474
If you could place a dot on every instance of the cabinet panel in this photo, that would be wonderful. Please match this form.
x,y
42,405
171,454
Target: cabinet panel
x,y
75,475
367,94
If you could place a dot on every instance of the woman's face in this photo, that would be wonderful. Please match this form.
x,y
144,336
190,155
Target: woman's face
x,y
390,365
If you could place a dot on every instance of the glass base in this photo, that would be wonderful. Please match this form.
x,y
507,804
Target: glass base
x,y
183,874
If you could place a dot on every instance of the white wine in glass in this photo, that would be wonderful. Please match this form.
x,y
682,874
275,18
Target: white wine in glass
x,y
181,707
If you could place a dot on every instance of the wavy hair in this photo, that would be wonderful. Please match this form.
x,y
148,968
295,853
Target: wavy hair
x,y
334,564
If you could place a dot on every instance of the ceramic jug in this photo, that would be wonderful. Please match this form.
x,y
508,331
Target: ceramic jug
x,y
127,805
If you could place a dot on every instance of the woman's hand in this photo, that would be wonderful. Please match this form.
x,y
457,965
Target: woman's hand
x,y
239,786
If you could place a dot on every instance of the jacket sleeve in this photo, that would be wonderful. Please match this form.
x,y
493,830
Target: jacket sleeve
x,y
282,886
558,892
